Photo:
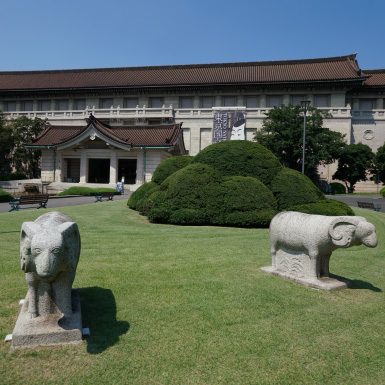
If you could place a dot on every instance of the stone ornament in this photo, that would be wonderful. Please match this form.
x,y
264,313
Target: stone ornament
x,y
49,251
302,244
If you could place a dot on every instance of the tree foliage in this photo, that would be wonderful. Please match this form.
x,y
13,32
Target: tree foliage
x,y
379,165
14,134
354,164
282,134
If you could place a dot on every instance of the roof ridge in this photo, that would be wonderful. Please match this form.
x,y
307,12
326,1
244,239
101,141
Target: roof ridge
x,y
187,66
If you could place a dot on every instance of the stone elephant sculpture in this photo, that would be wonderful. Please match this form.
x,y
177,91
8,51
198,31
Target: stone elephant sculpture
x,y
317,236
49,251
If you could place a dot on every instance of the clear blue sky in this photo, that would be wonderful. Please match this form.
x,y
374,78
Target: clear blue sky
x,y
67,34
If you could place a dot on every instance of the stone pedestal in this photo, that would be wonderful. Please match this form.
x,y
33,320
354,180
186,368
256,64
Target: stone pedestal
x,y
51,329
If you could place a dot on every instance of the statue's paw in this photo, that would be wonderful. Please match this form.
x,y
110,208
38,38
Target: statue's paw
x,y
32,315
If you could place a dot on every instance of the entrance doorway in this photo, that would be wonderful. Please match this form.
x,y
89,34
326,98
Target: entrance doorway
x,y
99,171
73,170
127,168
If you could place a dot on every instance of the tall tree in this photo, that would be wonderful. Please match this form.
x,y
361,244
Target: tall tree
x,y
6,145
379,165
282,133
23,130
354,164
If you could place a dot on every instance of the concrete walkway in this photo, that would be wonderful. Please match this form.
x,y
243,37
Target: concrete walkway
x,y
351,200
54,202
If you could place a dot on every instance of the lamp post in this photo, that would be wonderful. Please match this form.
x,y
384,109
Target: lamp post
x,y
305,105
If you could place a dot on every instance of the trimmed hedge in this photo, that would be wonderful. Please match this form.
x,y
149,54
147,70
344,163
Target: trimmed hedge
x,y
16,176
382,191
141,193
241,158
329,207
169,166
87,191
198,195
292,188
338,188
5,196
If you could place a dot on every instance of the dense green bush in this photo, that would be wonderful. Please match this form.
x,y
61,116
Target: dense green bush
x,y
86,191
241,158
5,196
327,207
291,188
338,188
382,191
199,195
16,176
139,194
169,166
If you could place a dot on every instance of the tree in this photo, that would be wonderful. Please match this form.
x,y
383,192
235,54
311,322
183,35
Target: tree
x,y
6,145
354,165
282,133
14,134
379,165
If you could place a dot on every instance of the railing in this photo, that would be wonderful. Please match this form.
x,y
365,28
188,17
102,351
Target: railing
x,y
180,113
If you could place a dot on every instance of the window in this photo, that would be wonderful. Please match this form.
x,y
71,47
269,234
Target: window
x,y
106,103
366,104
296,99
186,102
229,101
10,106
62,104
207,101
274,101
130,102
251,101
44,105
156,102
27,105
322,101
79,104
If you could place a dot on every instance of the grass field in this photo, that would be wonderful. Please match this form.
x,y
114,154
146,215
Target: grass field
x,y
188,305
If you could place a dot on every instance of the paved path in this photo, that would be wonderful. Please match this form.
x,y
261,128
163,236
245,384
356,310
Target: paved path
x,y
351,200
62,202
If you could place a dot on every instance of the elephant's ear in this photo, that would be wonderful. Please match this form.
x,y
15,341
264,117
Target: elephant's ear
x,y
342,230
71,240
28,230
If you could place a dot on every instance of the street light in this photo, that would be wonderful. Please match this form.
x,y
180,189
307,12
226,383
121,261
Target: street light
x,y
305,106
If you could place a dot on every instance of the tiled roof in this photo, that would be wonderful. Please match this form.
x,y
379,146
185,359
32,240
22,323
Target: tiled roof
x,y
377,78
164,135
309,70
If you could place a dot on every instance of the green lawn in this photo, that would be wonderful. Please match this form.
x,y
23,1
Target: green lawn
x,y
188,305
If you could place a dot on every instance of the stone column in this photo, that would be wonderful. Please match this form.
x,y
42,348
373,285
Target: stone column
x,y
262,101
286,100
379,104
218,101
83,167
113,167
35,105
53,104
240,101
196,102
18,105
70,104
139,167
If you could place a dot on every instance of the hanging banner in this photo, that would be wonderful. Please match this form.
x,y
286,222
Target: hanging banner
x,y
238,125
221,122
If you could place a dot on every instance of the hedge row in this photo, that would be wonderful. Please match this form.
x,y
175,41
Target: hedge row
x,y
87,191
5,196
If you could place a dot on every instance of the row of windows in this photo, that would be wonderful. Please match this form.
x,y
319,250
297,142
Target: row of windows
x,y
320,101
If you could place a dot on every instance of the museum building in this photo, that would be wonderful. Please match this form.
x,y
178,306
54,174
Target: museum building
x,y
105,124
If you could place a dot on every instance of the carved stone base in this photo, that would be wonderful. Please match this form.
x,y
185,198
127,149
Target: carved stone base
x,y
321,283
49,329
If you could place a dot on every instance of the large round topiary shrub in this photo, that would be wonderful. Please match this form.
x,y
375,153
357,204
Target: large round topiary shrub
x,y
327,207
241,158
291,188
5,196
168,167
199,195
141,193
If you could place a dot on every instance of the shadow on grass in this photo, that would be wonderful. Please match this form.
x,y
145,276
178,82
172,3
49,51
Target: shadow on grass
x,y
99,315
357,284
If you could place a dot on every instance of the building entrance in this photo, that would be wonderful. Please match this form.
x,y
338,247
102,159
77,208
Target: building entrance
x,y
99,171
127,168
